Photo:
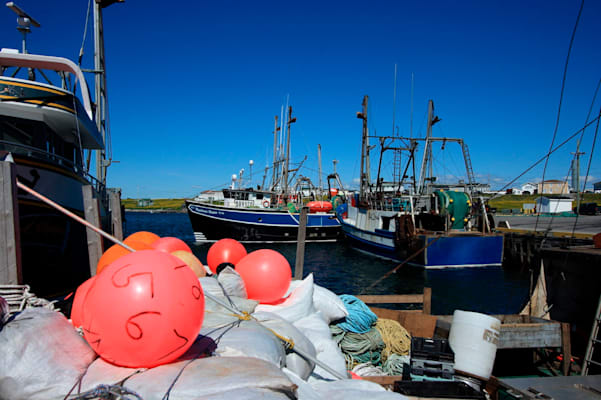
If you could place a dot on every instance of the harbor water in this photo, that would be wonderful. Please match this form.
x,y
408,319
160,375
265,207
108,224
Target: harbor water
x,y
338,267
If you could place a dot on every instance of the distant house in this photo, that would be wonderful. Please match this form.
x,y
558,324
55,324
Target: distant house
x,y
553,205
514,191
529,188
597,187
553,186
145,202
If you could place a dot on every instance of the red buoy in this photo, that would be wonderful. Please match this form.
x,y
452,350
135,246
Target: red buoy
x,y
319,206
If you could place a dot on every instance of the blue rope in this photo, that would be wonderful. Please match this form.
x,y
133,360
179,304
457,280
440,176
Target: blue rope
x,y
360,318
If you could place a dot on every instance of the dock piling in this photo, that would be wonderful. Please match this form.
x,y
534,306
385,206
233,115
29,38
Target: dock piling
x,y
10,247
116,217
300,247
92,215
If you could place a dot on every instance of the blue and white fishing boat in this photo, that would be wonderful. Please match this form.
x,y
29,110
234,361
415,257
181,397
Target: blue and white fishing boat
x,y
252,215
425,224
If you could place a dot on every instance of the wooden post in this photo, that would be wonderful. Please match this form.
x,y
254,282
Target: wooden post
x,y
427,300
10,244
92,215
300,246
566,347
116,217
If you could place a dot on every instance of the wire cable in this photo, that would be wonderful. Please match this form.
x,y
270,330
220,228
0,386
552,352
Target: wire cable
x,y
563,84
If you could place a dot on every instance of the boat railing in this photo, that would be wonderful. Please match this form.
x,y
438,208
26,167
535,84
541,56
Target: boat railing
x,y
36,153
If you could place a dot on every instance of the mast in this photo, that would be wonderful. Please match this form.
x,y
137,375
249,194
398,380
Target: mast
x,y
276,129
287,160
101,96
319,167
427,149
363,179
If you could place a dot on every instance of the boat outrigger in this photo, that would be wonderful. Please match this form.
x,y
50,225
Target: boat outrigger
x,y
427,224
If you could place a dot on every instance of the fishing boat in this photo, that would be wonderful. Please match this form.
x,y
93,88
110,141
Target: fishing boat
x,y
426,224
47,127
272,215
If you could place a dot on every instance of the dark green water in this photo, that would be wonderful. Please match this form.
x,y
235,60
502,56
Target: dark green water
x,y
340,268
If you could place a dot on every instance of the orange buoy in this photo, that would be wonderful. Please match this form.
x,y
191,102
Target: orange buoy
x,y
319,206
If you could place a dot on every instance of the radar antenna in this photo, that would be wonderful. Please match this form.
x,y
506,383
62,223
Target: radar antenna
x,y
24,21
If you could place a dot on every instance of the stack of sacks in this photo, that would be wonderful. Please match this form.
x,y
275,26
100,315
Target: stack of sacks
x,y
43,358
233,337
310,308
371,346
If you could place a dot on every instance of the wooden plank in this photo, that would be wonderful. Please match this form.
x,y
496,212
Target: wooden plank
x,y
427,300
300,245
530,335
10,243
386,381
92,215
392,298
116,217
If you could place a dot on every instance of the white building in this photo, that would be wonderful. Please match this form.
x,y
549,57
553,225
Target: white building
x,y
531,188
553,205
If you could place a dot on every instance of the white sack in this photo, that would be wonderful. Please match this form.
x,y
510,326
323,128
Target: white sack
x,y
213,376
249,339
294,362
304,391
297,305
232,283
217,316
354,389
325,301
41,356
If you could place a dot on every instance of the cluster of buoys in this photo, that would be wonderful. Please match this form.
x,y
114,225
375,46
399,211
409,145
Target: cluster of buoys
x,y
266,273
143,308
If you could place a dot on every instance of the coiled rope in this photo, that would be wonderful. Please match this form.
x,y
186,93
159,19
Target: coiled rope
x,y
360,318
359,347
395,363
396,338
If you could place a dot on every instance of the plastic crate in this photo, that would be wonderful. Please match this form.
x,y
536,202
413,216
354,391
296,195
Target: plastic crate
x,y
432,349
432,369
438,390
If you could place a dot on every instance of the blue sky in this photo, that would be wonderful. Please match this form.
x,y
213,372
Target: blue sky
x,y
194,86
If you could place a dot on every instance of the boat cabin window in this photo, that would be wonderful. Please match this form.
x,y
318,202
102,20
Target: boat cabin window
x,y
259,196
21,136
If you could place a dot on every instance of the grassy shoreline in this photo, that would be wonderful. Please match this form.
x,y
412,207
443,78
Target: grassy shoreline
x,y
508,201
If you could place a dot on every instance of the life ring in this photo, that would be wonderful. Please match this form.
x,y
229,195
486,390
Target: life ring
x,y
265,203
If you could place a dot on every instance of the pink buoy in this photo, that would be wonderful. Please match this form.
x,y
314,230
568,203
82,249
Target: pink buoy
x,y
266,274
144,310
225,251
170,244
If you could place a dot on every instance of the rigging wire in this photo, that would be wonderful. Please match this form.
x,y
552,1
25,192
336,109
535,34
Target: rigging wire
x,y
547,155
85,32
563,84
591,155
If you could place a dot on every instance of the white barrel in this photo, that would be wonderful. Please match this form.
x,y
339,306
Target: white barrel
x,y
474,338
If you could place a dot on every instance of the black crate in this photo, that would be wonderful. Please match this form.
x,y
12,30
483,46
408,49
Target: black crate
x,y
432,369
440,390
432,349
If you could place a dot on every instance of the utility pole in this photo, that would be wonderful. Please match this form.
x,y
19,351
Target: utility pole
x,y
576,174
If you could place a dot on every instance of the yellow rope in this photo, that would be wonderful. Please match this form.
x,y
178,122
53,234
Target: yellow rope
x,y
396,338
